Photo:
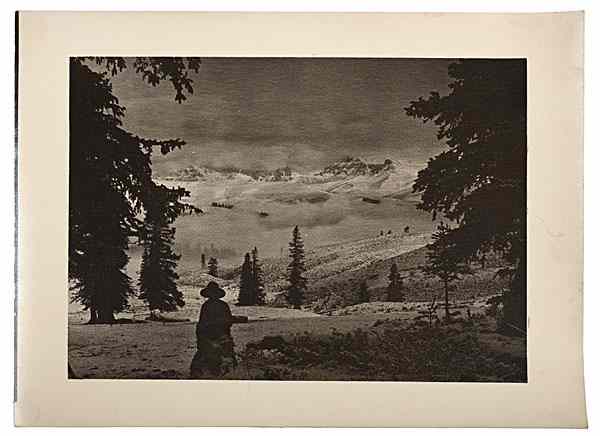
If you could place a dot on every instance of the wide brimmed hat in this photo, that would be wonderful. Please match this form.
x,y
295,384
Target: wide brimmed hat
x,y
212,290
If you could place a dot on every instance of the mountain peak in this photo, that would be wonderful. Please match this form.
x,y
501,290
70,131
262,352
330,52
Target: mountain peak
x,y
354,166
210,173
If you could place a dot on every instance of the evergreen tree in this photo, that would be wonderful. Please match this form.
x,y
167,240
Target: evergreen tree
x,y
363,293
247,295
445,262
479,182
110,179
213,267
296,269
157,282
257,279
100,282
395,286
203,260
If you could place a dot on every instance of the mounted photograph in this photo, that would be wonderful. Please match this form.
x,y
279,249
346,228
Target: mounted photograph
x,y
298,219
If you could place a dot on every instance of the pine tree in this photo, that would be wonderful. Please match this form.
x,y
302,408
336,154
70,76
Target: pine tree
x,y
157,282
395,286
257,279
100,283
445,262
110,179
296,269
203,260
363,293
213,267
480,180
246,296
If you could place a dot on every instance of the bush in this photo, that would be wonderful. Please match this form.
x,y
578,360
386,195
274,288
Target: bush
x,y
438,353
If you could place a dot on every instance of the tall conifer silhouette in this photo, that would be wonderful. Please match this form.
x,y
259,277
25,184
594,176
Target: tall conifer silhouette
x,y
296,269
395,286
257,279
246,296
480,180
445,262
157,282
213,267
110,178
363,293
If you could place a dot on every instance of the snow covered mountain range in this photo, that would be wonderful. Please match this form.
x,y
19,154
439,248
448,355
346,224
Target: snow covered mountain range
x,y
350,174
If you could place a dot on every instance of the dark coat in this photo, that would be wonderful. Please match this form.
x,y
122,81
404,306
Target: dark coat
x,y
215,320
215,353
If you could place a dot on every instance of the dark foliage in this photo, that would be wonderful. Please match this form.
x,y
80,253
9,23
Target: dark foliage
x,y
480,181
213,267
223,205
445,262
157,282
252,289
156,69
296,269
396,285
247,295
437,354
110,180
257,279
363,293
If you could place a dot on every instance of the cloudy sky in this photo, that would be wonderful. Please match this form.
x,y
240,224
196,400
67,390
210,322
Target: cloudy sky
x,y
302,112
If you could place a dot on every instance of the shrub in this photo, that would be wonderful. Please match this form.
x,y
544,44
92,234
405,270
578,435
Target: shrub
x,y
438,353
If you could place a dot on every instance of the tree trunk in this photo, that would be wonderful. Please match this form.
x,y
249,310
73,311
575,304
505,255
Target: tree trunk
x,y
93,315
105,316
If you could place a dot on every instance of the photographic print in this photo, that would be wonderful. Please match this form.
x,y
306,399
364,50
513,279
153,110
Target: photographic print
x,y
316,219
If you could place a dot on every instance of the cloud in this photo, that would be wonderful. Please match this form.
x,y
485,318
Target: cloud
x,y
263,113
305,215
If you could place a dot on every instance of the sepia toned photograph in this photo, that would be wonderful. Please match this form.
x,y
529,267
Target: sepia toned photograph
x,y
313,219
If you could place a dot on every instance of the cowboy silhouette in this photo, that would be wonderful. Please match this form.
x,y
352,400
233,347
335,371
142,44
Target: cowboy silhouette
x,y
215,348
